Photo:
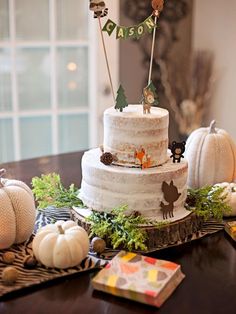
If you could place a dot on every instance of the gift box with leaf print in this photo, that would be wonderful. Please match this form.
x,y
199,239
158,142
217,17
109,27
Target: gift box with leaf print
x,y
139,278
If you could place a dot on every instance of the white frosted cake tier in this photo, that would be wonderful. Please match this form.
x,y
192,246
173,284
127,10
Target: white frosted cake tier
x,y
130,131
106,187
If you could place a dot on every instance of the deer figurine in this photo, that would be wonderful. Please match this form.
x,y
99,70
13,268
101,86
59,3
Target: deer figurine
x,y
148,100
171,195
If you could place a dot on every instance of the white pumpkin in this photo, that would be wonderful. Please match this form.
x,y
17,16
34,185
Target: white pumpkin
x,y
211,156
61,245
17,211
230,194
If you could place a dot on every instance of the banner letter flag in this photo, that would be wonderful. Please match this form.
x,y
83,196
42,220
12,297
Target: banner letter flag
x,y
150,24
140,30
131,32
109,27
120,32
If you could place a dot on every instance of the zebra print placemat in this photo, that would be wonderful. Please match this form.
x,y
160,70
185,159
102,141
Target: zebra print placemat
x,y
209,227
41,274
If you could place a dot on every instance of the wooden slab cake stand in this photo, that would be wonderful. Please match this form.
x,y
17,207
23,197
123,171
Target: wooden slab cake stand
x,y
169,234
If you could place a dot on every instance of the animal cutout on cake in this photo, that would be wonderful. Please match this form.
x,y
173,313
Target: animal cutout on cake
x,y
140,155
98,7
144,160
177,150
171,195
150,98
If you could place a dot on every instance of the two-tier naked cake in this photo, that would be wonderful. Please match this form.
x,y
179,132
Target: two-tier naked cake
x,y
134,168
142,175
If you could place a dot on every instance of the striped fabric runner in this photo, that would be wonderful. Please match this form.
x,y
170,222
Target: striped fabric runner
x,y
211,226
41,274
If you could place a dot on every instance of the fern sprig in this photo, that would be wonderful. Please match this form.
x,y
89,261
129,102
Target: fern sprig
x,y
208,201
49,191
119,229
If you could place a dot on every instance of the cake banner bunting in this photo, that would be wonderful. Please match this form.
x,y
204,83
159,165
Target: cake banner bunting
x,y
126,32
149,25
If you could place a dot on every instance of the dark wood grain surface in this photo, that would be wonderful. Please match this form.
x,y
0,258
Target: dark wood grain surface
x,y
209,265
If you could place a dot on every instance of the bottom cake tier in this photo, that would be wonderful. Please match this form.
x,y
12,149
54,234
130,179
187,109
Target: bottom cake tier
x,y
157,193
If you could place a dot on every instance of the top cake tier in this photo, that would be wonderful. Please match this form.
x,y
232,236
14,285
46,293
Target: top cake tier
x,y
135,138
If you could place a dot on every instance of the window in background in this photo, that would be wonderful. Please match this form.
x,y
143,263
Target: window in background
x,y
46,48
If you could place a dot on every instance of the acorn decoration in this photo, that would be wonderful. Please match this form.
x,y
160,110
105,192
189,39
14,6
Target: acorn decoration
x,y
8,257
9,275
107,158
98,245
30,262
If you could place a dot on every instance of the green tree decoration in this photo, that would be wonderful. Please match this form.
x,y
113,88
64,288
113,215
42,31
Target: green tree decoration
x,y
121,101
152,88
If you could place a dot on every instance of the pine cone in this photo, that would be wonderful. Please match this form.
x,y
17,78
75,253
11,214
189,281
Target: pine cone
x,y
106,158
136,214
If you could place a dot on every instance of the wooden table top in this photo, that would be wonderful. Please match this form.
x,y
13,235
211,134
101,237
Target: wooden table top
x,y
208,263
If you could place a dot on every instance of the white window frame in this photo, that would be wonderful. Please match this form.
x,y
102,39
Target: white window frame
x,y
97,98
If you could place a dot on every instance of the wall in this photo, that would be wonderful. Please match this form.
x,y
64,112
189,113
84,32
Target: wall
x,y
214,27
133,71
133,64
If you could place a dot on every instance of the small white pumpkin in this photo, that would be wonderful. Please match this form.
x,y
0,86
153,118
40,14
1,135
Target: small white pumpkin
x,y
61,245
17,211
230,194
211,156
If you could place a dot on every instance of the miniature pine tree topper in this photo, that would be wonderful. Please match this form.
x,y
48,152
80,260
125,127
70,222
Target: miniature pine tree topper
x,y
121,101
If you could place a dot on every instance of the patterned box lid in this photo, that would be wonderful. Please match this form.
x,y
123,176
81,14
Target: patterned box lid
x,y
139,278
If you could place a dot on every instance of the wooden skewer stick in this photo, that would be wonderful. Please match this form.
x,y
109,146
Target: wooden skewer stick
x,y
152,50
105,53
